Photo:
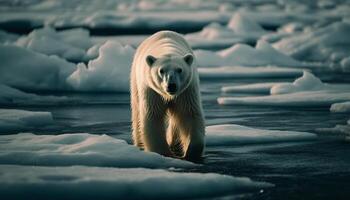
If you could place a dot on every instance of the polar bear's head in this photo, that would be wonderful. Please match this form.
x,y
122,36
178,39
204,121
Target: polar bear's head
x,y
170,75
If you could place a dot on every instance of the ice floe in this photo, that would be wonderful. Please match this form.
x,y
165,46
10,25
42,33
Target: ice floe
x,y
244,55
341,131
110,71
232,134
248,72
69,44
240,29
77,149
14,120
329,43
341,107
23,68
306,91
81,182
12,96
250,88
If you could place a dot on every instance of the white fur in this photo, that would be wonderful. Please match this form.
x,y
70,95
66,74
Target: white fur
x,y
168,125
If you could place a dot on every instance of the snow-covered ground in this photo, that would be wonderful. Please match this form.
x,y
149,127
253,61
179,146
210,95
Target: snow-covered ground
x,y
274,82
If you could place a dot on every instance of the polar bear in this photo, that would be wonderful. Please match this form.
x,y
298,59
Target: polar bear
x,y
167,113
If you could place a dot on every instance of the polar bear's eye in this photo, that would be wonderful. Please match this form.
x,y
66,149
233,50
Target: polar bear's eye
x,y
178,70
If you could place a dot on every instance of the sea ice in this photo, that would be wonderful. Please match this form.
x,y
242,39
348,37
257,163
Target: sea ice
x,y
232,134
322,44
110,71
248,72
341,107
306,91
81,182
25,69
244,55
69,44
78,149
14,120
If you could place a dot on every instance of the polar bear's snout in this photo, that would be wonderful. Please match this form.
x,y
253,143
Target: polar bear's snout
x,y
172,88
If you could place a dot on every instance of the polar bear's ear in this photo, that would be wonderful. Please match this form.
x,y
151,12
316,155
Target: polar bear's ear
x,y
150,60
188,59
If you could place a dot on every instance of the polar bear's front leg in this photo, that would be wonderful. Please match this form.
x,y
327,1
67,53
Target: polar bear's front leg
x,y
152,114
193,133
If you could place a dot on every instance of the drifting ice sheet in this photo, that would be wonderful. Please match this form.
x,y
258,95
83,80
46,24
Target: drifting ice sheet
x,y
306,91
12,119
80,182
248,72
244,55
231,134
78,149
341,107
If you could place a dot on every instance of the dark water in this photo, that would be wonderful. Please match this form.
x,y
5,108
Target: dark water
x,y
304,170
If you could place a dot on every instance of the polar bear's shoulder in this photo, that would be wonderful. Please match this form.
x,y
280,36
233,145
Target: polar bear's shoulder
x,y
164,42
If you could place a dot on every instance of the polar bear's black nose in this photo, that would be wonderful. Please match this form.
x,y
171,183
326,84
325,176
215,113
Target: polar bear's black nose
x,y
171,87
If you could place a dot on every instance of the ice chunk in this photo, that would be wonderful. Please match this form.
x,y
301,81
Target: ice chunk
x,y
242,24
110,71
251,72
22,68
345,64
243,55
78,149
322,98
340,130
341,107
14,120
12,96
250,88
6,37
232,134
114,183
240,29
306,91
318,44
70,44
308,82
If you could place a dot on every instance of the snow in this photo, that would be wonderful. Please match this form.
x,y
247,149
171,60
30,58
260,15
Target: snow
x,y
232,134
76,149
110,71
341,107
70,44
248,72
244,55
81,182
14,120
318,44
25,69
